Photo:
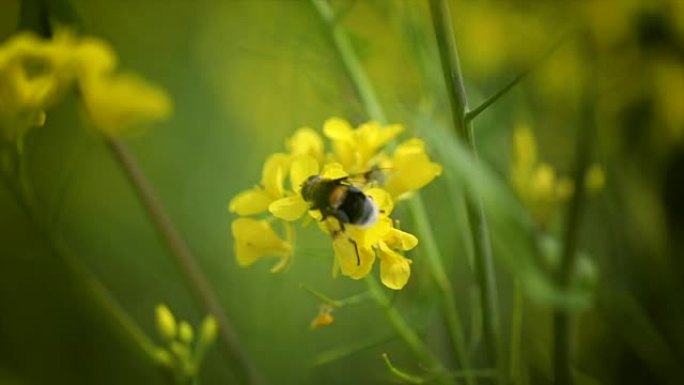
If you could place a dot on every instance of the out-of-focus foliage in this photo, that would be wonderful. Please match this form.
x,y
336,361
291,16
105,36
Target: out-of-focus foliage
x,y
244,75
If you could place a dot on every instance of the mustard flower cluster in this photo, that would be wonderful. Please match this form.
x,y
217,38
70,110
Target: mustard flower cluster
x,y
184,352
354,151
536,183
35,74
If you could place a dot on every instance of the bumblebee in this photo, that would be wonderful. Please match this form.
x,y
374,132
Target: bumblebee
x,y
340,199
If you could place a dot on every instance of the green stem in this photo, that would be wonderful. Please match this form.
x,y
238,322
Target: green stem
x,y
473,113
367,95
351,62
23,196
516,370
562,333
405,331
185,259
484,262
434,258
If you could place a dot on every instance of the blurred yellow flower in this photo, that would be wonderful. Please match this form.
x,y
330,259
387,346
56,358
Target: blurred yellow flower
x,y
28,85
306,141
178,355
34,72
118,103
255,239
595,179
185,332
166,322
536,182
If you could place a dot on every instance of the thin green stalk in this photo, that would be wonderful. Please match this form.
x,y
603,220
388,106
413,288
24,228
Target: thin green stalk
x,y
185,259
516,370
434,257
484,262
562,333
405,331
22,193
367,95
473,113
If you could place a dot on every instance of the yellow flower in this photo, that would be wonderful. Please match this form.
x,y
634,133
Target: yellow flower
x,y
535,182
118,103
306,141
355,247
28,85
410,169
355,148
255,239
256,200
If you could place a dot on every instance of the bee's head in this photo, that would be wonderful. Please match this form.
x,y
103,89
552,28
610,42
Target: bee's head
x,y
308,185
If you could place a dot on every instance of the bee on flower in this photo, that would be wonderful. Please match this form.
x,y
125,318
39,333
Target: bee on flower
x,y
350,191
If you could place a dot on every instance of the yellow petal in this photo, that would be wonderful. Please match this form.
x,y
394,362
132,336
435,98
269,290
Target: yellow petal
x,y
255,239
354,261
118,103
303,167
341,135
94,58
273,174
412,169
290,208
250,202
382,199
544,182
374,234
395,270
371,136
337,129
306,141
401,240
524,147
333,171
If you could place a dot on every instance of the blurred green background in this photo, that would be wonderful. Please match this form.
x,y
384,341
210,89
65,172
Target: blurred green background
x,y
243,76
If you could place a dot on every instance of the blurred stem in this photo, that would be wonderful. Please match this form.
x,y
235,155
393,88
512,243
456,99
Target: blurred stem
x,y
408,378
516,371
484,263
367,94
22,193
434,257
185,259
562,331
405,331
473,113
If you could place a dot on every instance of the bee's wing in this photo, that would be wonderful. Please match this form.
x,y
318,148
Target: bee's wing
x,y
375,176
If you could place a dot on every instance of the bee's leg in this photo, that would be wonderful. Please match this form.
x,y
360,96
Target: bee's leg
x,y
356,249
